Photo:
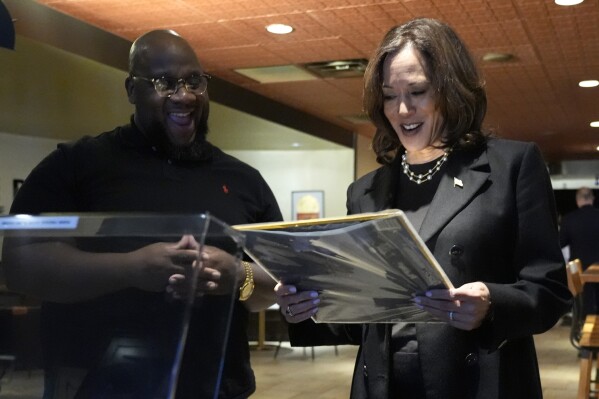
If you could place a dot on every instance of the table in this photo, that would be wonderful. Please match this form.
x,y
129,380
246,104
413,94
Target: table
x,y
261,345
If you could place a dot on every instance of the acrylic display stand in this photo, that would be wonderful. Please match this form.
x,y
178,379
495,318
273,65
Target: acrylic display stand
x,y
129,343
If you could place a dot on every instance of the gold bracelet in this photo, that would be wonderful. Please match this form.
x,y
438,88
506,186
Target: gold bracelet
x,y
246,289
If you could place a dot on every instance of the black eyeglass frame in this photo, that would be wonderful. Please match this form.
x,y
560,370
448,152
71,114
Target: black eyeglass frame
x,y
178,83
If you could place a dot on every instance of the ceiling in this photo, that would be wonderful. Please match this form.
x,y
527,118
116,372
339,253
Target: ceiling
x,y
535,96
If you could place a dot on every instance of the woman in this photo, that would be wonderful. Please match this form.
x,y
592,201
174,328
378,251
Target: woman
x,y
484,207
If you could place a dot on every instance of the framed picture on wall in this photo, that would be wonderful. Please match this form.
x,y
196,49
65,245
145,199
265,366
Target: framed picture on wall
x,y
307,204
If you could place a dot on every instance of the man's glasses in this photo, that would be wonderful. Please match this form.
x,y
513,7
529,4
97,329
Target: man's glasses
x,y
166,87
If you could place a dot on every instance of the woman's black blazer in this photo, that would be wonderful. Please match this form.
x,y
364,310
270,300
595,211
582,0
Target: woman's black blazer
x,y
493,220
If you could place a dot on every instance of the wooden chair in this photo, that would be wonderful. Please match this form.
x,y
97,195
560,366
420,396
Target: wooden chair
x,y
574,269
584,334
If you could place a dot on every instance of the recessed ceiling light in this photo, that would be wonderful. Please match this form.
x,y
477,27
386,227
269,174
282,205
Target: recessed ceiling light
x,y
279,29
595,124
296,144
588,83
338,68
568,2
275,74
497,57
598,148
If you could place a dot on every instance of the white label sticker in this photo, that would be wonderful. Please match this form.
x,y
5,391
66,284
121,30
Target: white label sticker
x,y
27,222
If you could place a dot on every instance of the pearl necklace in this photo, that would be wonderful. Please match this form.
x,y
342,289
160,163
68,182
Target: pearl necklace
x,y
419,179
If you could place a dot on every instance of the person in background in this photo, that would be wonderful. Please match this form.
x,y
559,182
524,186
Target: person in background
x,y
484,206
161,162
579,231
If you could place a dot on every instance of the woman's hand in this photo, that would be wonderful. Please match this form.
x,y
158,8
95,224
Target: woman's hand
x,y
465,307
296,306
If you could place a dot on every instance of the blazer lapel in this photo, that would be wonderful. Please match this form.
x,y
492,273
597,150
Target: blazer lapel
x,y
464,178
380,195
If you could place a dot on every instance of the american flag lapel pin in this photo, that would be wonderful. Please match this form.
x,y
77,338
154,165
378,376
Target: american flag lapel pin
x,y
458,183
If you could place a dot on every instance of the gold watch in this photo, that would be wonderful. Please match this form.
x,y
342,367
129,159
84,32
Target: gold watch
x,y
246,289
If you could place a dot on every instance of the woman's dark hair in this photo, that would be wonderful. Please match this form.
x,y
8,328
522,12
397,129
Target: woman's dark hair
x,y
459,89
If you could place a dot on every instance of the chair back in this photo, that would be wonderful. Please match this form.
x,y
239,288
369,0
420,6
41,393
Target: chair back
x,y
574,270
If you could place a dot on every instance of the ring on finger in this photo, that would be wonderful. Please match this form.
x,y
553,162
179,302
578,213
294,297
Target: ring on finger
x,y
451,316
288,311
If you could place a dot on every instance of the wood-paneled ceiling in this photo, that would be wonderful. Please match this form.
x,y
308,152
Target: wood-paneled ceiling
x,y
533,97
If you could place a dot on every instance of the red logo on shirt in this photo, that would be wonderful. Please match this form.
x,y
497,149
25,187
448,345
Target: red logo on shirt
x,y
225,189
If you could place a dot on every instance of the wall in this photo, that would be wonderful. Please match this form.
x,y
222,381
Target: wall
x,y
47,92
365,157
287,171
18,155
575,174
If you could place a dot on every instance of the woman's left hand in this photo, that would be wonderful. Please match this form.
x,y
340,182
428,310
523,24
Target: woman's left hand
x,y
465,307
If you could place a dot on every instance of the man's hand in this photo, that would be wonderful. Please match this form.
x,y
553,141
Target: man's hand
x,y
219,273
157,262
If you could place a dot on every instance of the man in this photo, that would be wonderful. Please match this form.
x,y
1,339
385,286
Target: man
x,y
580,231
160,162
